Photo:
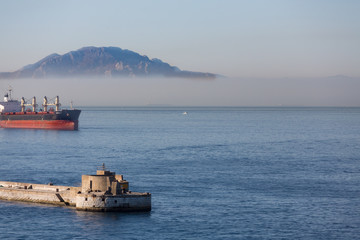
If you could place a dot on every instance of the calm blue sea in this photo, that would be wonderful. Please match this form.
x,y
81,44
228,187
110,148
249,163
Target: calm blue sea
x,y
215,173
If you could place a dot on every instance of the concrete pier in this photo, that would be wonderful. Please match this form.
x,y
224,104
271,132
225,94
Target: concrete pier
x,y
104,192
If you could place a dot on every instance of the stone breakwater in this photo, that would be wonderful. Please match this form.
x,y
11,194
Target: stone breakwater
x,y
39,193
104,191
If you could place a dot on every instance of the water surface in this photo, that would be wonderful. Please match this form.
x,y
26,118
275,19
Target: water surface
x,y
219,173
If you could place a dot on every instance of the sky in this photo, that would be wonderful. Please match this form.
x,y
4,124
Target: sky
x,y
243,40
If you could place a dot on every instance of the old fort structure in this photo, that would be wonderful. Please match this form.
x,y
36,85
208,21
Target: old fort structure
x,y
105,191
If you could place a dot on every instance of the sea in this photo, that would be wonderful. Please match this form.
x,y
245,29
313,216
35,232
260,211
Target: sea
x,y
214,173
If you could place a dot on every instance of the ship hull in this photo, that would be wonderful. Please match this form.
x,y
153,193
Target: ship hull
x,y
60,120
41,124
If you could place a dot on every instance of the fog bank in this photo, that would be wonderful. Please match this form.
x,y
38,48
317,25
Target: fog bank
x,y
332,91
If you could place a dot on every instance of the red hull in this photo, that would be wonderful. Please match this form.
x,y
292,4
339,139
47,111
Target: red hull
x,y
41,124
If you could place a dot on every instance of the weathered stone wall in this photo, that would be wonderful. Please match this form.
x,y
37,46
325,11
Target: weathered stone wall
x,y
131,201
45,187
92,196
95,183
39,193
103,183
60,198
126,202
88,202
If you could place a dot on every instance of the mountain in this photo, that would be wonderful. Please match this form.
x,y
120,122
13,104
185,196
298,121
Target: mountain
x,y
100,61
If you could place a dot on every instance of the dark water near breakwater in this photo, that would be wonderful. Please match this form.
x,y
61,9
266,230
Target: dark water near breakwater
x,y
215,173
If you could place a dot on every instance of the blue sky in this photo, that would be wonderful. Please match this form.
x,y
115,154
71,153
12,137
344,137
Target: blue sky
x,y
279,38
270,50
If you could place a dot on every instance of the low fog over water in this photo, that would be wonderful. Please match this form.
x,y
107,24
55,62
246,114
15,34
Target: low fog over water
x,y
331,91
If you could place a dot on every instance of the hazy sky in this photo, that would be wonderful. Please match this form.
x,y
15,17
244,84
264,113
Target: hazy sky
x,y
277,39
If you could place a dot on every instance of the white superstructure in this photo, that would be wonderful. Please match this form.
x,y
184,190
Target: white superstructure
x,y
9,105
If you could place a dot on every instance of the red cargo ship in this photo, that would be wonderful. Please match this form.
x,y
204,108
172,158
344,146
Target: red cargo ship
x,y
14,115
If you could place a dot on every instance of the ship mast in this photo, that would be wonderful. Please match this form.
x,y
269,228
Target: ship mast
x,y
56,104
23,104
7,96
10,90
34,104
45,104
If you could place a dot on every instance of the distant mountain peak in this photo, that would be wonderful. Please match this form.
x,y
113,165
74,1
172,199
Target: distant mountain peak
x,y
101,61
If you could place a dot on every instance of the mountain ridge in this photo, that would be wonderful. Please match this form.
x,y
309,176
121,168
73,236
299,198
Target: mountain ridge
x,y
101,61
